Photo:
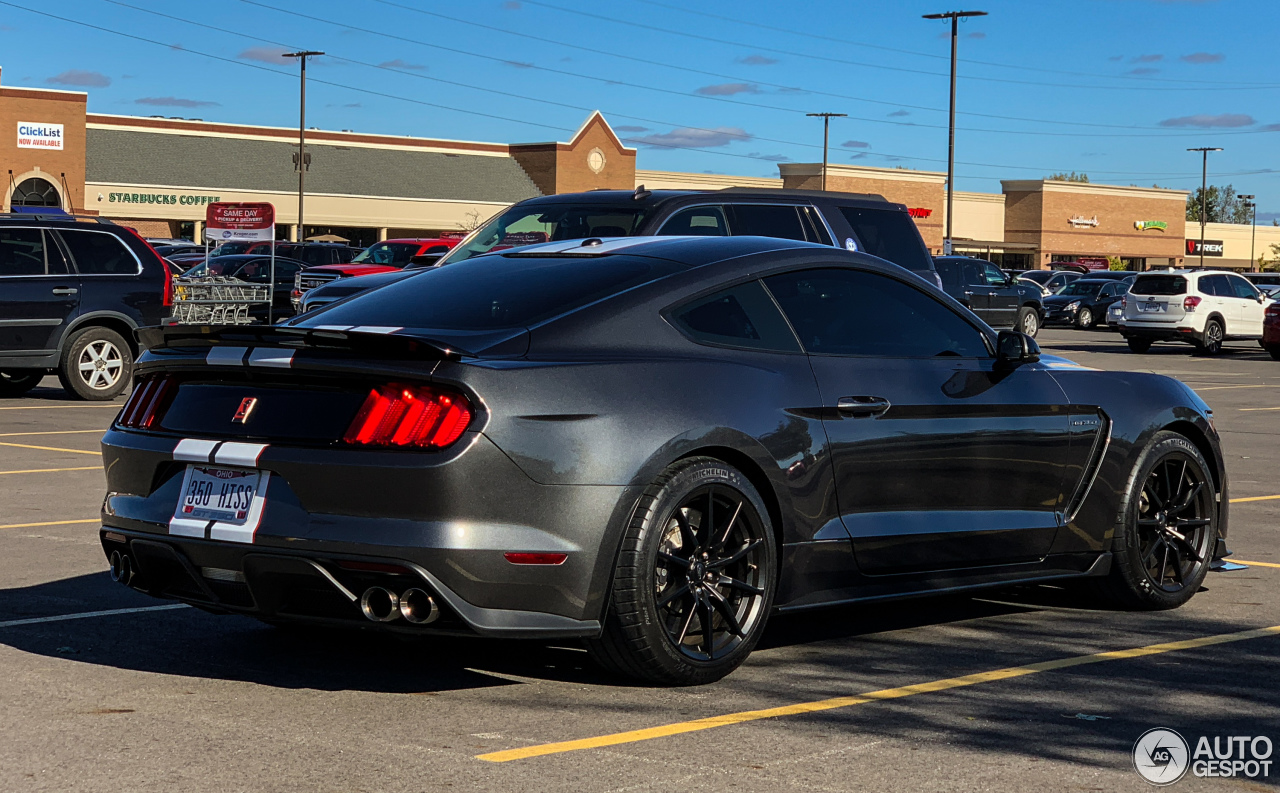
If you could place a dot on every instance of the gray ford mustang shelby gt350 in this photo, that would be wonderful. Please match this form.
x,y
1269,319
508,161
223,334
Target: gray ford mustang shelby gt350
x,y
650,444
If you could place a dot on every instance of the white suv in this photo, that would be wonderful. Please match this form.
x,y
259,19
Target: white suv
x,y
1201,307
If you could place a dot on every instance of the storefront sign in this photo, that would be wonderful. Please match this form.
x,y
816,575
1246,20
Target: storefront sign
x,y
1211,247
1143,225
34,135
240,221
1080,220
1093,262
161,198
919,212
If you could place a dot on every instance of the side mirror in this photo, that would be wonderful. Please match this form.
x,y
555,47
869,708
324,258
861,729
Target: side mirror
x,y
1014,349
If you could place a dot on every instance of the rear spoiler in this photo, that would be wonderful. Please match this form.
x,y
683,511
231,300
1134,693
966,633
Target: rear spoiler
x,y
373,342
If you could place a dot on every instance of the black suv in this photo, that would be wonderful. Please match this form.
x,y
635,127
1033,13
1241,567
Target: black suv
x,y
72,290
991,294
854,221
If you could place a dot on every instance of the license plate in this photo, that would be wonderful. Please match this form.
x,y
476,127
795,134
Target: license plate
x,y
1152,307
225,495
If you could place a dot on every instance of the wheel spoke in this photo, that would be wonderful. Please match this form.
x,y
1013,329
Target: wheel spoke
x,y
672,594
1148,522
726,611
708,636
1189,549
1151,493
1177,569
88,366
741,586
1156,545
688,538
733,519
1164,564
1184,503
688,620
737,556
1168,486
671,559
1192,523
708,518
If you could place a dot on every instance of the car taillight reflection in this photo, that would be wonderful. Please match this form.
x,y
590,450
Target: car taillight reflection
x,y
149,400
405,415
1190,303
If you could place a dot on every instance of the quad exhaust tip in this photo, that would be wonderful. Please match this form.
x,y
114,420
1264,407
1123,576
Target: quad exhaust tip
x,y
121,568
416,606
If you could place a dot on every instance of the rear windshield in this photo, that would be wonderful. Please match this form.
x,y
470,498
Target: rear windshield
x,y
1081,288
889,234
494,292
527,225
1159,285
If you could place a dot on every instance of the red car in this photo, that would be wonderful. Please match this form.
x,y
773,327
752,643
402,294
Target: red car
x,y
1271,330
381,257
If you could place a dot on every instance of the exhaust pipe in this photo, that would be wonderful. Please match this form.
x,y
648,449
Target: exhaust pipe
x,y
417,607
380,605
121,569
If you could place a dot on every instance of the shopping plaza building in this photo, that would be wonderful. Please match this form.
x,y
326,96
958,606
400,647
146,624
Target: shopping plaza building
x,y
159,174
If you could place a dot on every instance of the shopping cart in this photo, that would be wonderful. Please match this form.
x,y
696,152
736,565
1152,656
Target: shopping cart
x,y
217,300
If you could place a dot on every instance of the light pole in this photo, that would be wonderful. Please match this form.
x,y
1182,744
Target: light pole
x,y
1204,173
1253,223
826,128
954,16
301,164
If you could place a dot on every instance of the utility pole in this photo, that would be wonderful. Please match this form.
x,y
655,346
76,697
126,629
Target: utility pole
x,y
1253,223
826,128
1204,174
954,16
302,163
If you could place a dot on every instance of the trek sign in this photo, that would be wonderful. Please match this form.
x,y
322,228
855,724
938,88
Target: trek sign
x,y
246,222
1211,248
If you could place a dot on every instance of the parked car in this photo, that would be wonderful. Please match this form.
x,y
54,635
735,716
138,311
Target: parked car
x,y
1043,291
934,455
852,221
72,291
254,269
388,256
338,288
1200,307
1270,290
1001,301
1271,330
1051,280
314,254
183,249
1083,302
1258,279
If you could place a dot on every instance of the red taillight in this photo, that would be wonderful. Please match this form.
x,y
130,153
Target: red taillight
x,y
536,558
1190,303
148,402
167,295
1273,310
1124,302
406,415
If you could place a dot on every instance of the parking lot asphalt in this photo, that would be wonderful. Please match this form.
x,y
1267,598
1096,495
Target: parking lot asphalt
x,y
1024,689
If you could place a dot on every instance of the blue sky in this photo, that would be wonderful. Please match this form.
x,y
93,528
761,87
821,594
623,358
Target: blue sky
x,y
1118,89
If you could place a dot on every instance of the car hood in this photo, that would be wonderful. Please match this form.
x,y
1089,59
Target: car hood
x,y
1058,362
347,286
344,270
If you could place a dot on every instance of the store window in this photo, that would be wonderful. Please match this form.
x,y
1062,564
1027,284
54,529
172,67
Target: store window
x,y
35,192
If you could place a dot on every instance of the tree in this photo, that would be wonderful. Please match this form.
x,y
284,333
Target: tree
x,y
1114,263
1069,177
1221,206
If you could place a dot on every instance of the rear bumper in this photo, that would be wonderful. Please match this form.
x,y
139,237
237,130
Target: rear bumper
x,y
449,517
1161,333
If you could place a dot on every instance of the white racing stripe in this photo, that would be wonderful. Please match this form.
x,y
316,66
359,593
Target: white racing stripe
x,y
232,453
84,615
271,357
193,450
380,329
226,356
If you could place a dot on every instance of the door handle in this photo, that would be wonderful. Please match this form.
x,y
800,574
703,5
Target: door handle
x,y
862,405
991,294
65,290
967,293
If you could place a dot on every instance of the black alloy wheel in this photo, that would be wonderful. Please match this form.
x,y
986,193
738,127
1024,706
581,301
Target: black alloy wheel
x,y
707,574
694,580
1213,335
1165,541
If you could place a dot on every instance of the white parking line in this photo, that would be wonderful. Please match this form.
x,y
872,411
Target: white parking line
x,y
84,615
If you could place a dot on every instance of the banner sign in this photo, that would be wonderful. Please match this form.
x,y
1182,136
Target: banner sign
x,y
919,212
34,135
1211,247
1143,225
228,221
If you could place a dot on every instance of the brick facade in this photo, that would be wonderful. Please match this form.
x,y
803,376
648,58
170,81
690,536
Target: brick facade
x,y
567,167
63,169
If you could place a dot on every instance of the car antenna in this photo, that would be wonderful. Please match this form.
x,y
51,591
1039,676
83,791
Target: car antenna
x,y
641,193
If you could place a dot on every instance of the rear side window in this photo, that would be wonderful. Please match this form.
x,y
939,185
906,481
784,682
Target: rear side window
x,y
696,222
28,252
743,316
889,234
763,220
1159,285
495,292
839,311
97,253
316,256
1215,285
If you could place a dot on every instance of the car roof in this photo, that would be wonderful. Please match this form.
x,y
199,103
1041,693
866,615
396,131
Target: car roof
x,y
233,258
691,251
650,198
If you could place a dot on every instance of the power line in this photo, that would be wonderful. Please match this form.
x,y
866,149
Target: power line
x,y
812,56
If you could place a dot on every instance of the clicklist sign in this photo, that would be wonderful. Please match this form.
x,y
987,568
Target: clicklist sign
x,y
34,135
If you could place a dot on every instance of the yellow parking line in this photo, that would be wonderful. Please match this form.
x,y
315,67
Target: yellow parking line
x,y
1222,387
1250,410
1254,498
1258,564
116,405
52,470
48,523
47,432
49,448
873,696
